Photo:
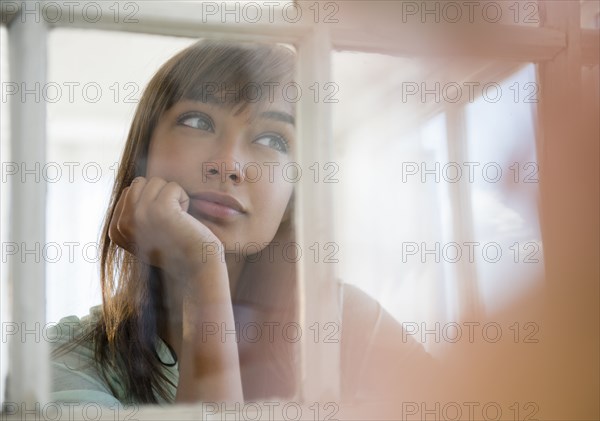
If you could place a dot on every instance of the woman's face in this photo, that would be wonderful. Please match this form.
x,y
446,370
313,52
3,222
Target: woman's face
x,y
231,164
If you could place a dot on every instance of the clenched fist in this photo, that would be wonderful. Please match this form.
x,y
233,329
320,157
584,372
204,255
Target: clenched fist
x,y
151,221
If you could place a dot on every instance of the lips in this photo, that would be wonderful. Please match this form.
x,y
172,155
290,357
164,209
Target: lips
x,y
216,205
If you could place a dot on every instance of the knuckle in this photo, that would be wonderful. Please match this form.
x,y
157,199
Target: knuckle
x,y
156,180
172,186
125,224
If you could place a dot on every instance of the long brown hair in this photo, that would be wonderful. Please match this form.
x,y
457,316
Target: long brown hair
x,y
124,337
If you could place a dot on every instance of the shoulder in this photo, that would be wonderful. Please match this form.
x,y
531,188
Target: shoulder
x,y
74,373
378,357
357,304
363,316
72,327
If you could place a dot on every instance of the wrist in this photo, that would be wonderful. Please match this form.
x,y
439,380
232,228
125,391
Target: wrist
x,y
195,262
207,256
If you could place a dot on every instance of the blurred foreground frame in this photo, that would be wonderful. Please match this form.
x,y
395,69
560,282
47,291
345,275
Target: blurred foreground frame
x,y
560,374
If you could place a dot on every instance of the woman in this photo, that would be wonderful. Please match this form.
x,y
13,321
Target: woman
x,y
199,205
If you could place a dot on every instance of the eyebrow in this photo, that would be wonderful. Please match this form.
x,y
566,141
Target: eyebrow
x,y
271,115
279,116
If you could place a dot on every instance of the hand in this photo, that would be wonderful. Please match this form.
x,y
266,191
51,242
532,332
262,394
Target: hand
x,y
151,222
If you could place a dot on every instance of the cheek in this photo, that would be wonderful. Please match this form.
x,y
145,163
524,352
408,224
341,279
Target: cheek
x,y
168,162
158,160
273,198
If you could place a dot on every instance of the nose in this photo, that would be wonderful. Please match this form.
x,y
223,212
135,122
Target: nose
x,y
225,163
224,171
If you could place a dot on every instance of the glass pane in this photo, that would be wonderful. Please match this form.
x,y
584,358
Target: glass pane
x,y
504,194
372,141
420,210
219,127
384,213
90,107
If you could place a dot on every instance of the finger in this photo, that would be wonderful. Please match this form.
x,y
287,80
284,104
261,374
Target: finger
x,y
131,197
113,231
126,220
135,191
172,194
151,191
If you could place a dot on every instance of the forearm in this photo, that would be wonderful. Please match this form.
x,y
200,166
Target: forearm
x,y
209,368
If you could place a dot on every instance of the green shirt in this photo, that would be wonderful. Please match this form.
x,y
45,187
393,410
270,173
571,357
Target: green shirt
x,y
75,375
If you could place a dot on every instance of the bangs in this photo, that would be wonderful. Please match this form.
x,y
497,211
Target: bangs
x,y
230,73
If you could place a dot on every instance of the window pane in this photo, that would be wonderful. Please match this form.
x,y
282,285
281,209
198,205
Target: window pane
x,y
90,107
398,137
378,145
505,192
385,212
87,134
420,212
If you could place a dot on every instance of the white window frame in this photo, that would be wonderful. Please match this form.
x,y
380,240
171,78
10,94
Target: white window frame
x,y
546,45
